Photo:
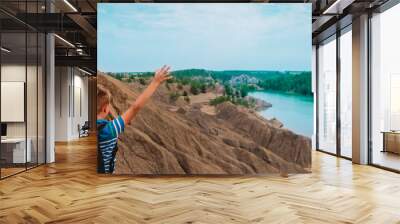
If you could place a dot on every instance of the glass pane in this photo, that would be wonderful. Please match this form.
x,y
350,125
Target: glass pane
x,y
346,94
327,96
13,84
41,99
31,98
386,89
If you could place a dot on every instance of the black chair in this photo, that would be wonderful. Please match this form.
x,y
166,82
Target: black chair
x,y
84,130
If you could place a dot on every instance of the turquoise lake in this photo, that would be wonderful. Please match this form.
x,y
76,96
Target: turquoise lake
x,y
294,111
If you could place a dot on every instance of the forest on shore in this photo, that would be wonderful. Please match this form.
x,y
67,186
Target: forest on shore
x,y
295,82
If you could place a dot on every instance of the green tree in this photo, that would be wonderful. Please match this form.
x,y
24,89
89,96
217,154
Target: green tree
x,y
194,88
119,76
219,100
228,90
244,90
291,83
203,88
142,81
237,93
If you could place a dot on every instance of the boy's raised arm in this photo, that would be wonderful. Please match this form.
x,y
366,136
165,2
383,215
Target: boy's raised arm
x,y
160,76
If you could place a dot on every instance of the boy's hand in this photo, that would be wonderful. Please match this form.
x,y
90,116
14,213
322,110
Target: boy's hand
x,y
162,75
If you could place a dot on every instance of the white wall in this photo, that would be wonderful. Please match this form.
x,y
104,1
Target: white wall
x,y
61,104
80,109
70,83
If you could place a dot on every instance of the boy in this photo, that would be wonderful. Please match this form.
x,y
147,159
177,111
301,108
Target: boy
x,y
108,130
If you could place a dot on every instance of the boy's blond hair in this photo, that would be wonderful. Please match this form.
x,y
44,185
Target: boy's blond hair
x,y
103,98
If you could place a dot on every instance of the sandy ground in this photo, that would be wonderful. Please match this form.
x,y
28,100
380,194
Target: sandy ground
x,y
203,100
208,109
203,97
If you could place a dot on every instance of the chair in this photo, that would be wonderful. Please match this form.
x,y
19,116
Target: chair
x,y
84,130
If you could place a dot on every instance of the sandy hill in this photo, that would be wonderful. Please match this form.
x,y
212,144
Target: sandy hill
x,y
188,141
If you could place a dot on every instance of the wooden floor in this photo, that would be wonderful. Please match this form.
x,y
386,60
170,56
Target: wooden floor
x,y
70,191
386,159
5,172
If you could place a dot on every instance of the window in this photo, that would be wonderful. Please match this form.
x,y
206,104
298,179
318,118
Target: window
x,y
327,96
23,77
385,89
346,93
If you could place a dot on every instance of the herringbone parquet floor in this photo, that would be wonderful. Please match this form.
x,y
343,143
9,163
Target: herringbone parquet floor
x,y
70,191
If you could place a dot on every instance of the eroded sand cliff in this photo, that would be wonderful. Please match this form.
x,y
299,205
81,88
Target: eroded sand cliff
x,y
234,140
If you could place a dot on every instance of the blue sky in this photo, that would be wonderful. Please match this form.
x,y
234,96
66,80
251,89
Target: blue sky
x,y
143,37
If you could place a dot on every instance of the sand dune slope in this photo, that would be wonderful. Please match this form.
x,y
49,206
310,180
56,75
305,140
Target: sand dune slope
x,y
189,141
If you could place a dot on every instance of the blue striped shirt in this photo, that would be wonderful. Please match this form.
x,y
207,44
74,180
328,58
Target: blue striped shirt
x,y
107,138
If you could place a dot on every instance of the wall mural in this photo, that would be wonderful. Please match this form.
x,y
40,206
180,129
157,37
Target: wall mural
x,y
204,89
